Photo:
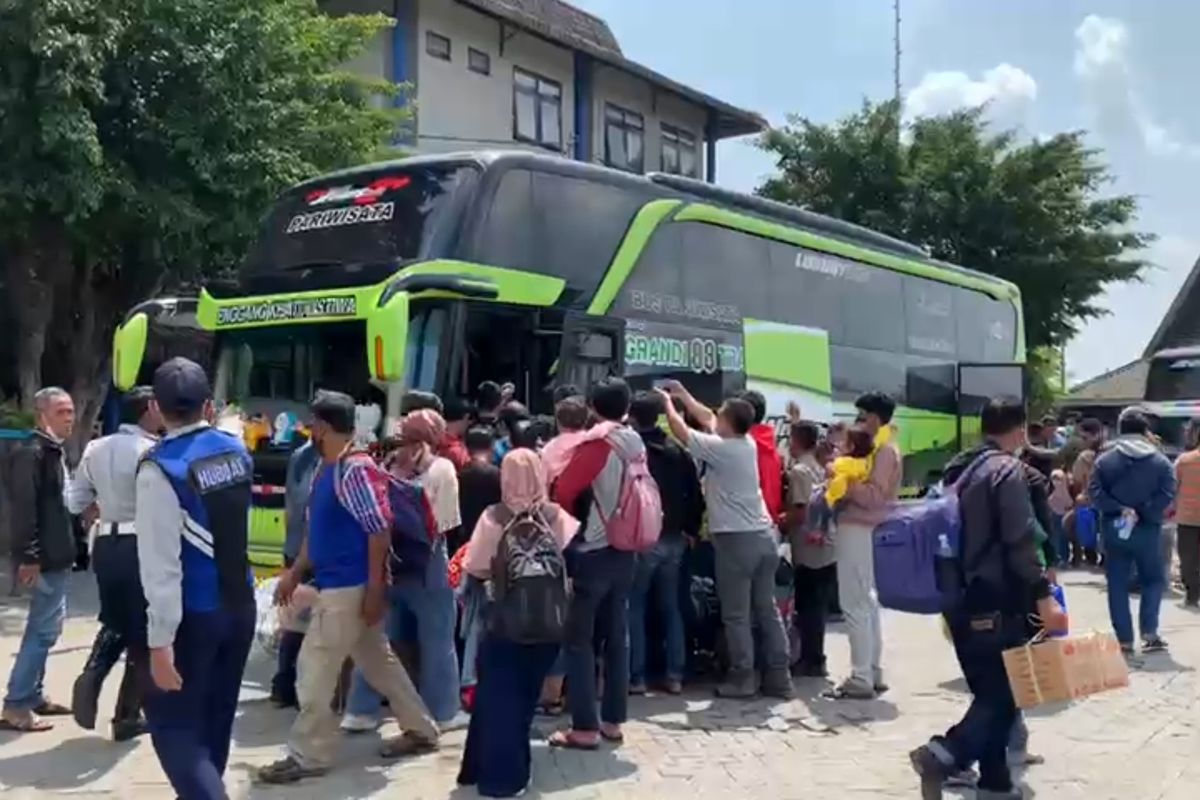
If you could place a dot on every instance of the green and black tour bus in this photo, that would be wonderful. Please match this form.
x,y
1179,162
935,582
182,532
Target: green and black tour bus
x,y
440,272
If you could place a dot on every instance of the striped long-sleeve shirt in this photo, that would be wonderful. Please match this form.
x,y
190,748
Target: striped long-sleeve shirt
x,y
363,491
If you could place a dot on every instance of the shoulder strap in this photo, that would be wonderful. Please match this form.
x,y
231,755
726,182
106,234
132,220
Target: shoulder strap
x,y
965,479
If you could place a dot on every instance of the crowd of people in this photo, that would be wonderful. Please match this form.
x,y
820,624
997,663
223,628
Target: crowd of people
x,y
512,564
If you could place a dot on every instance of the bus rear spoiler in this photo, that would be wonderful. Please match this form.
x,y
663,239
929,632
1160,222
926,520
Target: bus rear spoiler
x,y
387,323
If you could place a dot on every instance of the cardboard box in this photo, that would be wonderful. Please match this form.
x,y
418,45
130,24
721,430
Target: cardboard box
x,y
1061,670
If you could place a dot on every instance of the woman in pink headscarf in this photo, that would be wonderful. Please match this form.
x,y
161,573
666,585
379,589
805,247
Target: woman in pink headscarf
x,y
497,757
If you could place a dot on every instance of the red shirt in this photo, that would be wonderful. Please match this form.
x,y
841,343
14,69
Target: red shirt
x,y
770,468
453,449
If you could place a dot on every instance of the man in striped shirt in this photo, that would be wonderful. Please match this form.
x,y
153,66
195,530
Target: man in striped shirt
x,y
346,549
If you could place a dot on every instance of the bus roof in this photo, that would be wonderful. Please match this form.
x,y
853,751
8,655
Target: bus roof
x,y
674,186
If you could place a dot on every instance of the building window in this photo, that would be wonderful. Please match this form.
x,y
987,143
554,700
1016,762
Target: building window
x,y
537,110
679,153
624,135
437,45
479,61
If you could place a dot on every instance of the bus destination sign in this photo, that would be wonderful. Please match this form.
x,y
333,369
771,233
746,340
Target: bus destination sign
x,y
280,311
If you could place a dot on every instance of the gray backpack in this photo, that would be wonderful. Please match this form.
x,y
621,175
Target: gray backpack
x,y
528,588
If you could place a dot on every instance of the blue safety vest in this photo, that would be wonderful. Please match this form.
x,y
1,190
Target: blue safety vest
x,y
211,473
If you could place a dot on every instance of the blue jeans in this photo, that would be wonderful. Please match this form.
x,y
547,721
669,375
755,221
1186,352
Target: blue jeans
x,y
425,611
658,569
43,626
599,604
1058,538
1143,551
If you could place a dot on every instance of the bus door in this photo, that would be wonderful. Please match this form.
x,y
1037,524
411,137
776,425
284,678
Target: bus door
x,y
593,348
979,383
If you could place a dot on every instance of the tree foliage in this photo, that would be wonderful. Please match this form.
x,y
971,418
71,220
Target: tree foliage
x,y
1034,213
141,141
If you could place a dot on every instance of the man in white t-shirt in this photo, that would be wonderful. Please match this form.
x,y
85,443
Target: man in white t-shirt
x,y
747,553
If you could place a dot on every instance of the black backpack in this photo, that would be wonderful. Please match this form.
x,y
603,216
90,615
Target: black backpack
x,y
528,588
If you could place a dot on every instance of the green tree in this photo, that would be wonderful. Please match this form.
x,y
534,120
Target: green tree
x,y
140,143
1034,213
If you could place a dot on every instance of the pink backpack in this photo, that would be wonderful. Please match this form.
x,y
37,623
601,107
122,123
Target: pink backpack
x,y
636,523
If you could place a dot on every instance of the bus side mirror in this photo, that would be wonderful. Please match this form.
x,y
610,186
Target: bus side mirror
x,y
387,337
129,348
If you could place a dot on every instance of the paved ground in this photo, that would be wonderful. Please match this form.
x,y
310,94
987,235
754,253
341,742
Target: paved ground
x,y
1138,743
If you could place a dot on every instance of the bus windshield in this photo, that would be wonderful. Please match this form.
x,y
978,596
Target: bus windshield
x,y
276,369
1174,378
279,368
383,216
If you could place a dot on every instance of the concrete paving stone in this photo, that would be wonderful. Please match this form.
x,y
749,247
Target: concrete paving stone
x,y
1138,743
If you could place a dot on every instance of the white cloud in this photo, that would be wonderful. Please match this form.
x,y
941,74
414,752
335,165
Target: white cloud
x,y
1103,63
1008,92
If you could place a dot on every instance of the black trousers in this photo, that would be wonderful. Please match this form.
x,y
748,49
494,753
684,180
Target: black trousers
x,y
816,589
122,619
1187,542
982,734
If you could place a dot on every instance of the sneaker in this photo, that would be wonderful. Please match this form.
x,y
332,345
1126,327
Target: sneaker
x,y
930,770
637,688
850,689
1154,644
458,722
672,686
360,723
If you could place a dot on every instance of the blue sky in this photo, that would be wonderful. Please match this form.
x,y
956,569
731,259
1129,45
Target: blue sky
x,y
1121,69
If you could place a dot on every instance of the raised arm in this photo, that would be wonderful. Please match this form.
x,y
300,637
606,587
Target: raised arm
x,y
703,415
675,421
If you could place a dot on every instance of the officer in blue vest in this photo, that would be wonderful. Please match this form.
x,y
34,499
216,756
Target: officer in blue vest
x,y
192,512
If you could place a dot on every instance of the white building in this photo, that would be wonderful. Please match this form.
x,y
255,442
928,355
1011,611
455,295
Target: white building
x,y
545,75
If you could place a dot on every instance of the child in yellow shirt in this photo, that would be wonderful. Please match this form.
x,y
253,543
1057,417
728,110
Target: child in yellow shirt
x,y
852,466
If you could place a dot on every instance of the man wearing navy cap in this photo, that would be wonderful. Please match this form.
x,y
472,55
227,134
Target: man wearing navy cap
x,y
193,502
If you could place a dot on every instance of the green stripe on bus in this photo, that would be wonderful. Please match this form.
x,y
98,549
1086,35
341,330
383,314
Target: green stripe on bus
x,y
639,233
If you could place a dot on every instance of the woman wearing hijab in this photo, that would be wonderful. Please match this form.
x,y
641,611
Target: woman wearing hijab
x,y
497,756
